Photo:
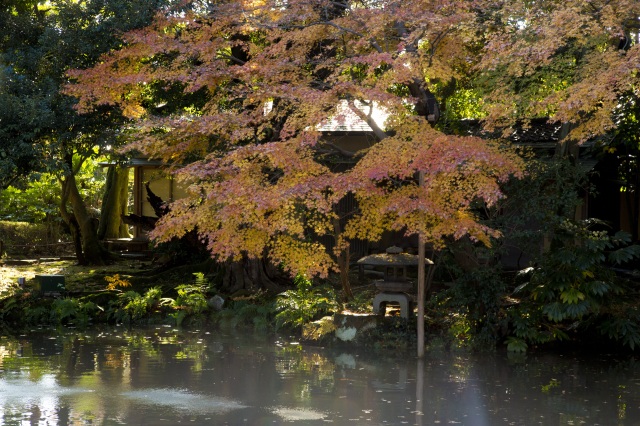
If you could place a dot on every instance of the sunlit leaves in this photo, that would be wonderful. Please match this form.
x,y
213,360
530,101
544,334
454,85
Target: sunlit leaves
x,y
560,59
260,200
458,172
257,186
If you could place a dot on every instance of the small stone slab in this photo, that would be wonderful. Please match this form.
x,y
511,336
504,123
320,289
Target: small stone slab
x,y
349,325
18,262
50,285
387,259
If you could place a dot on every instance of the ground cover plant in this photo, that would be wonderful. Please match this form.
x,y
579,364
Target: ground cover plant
x,y
114,295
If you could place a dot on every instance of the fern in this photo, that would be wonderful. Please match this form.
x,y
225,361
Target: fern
x,y
298,307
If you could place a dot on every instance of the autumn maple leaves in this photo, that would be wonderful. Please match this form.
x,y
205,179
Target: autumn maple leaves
x,y
260,185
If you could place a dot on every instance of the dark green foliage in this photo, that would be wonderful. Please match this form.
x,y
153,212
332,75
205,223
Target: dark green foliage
x,y
471,310
37,314
130,306
189,304
537,204
40,131
254,314
362,300
623,146
624,328
22,120
26,239
454,315
72,311
574,288
38,44
475,310
392,333
25,308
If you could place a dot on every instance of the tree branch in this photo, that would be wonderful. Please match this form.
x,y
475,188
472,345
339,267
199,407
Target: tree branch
x,y
426,105
380,134
336,148
232,58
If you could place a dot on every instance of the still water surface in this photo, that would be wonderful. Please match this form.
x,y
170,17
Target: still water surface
x,y
164,376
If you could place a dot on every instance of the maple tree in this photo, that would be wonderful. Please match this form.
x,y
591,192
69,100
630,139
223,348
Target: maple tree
x,y
233,95
570,61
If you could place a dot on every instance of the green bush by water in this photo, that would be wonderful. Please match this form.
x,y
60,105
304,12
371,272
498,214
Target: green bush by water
x,y
305,303
574,290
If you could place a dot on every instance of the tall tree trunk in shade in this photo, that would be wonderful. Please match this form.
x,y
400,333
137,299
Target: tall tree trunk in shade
x,y
114,205
80,221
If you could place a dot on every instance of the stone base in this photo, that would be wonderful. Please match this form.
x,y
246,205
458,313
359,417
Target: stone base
x,y
349,326
403,299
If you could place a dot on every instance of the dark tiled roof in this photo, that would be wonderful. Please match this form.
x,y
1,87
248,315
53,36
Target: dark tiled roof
x,y
537,133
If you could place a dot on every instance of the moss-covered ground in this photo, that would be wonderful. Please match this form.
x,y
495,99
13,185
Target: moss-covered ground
x,y
78,279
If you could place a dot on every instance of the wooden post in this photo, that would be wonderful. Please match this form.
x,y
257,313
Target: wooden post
x,y
421,283
419,391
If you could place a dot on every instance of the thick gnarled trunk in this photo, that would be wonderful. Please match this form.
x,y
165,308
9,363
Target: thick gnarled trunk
x,y
342,259
250,275
114,205
89,251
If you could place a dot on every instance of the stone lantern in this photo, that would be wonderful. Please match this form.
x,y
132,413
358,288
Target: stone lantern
x,y
394,285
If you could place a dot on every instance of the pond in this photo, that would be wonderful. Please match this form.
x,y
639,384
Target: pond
x,y
162,375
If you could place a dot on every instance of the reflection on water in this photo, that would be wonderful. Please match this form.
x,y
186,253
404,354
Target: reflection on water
x,y
180,399
166,376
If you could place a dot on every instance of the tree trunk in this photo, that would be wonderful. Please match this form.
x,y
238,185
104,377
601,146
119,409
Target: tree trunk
x,y
91,251
343,256
250,275
567,147
114,205
72,223
343,264
124,201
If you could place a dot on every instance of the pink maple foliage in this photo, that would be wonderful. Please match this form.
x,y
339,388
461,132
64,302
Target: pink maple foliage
x,y
272,71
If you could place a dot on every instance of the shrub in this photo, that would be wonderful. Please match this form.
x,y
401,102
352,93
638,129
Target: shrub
x,y
393,333
25,239
72,311
254,314
574,288
304,304
19,307
131,306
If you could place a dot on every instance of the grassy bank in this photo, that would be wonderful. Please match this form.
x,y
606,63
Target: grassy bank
x,y
131,293
135,293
